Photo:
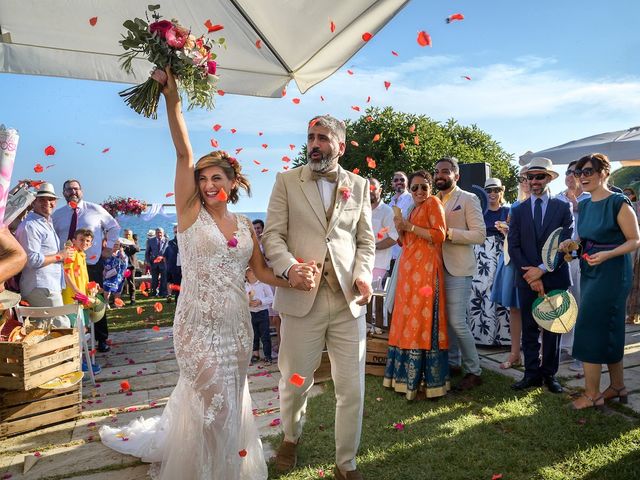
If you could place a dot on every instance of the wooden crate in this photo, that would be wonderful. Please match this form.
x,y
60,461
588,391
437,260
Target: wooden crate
x,y
24,411
23,367
376,358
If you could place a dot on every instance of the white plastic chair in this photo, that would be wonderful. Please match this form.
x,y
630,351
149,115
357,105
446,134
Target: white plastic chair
x,y
76,309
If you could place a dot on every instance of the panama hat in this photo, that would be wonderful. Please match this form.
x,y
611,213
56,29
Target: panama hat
x,y
97,310
8,299
46,190
492,183
542,165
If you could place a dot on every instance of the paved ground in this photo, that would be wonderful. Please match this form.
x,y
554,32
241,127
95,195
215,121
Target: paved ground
x,y
146,359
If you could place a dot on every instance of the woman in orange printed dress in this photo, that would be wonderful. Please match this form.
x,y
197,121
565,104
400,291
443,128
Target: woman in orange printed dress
x,y
417,358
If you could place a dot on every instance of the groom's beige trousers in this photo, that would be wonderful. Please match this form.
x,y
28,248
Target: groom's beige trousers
x,y
329,322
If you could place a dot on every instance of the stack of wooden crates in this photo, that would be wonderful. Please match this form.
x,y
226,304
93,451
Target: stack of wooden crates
x,y
23,367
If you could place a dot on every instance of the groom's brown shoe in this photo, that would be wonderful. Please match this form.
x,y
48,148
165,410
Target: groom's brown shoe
x,y
286,457
351,475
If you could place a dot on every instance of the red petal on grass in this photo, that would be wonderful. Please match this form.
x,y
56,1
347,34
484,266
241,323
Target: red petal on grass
x,y
394,53
125,386
454,17
118,302
222,195
354,143
264,170
356,108
398,426
426,291
371,163
297,380
257,162
50,150
332,26
168,194
387,85
155,328
211,27
214,143
38,168
139,310
296,100
366,36
356,170
93,21
258,43
242,453
217,127
157,307
286,159
424,39
221,93
496,476
376,137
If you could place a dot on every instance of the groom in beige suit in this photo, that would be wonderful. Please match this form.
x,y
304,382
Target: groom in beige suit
x,y
322,213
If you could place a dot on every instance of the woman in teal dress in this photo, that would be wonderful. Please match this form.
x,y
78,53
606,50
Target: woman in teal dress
x,y
608,231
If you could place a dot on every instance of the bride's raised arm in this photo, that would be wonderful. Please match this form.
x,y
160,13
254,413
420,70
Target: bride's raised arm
x,y
185,187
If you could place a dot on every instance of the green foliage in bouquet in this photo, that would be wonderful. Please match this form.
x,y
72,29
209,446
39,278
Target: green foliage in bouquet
x,y
168,44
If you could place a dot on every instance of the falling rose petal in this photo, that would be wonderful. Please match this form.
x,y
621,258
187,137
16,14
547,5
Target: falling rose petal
x,y
371,163
283,93
466,77
93,257
233,130
380,236
93,21
376,137
368,99
118,302
354,143
356,108
292,146
222,195
416,140
356,170
49,166
157,307
260,134
214,143
256,162
366,36
264,145
384,230
313,122
38,168
139,310
332,26
387,85
238,150
125,386
321,98
285,167
36,183
242,453
394,53
264,170
24,303
212,28
73,204
50,150
155,328
258,43
349,72
286,159
297,380
105,150
454,17
424,39
221,93
217,127
168,194
295,100
425,291
585,256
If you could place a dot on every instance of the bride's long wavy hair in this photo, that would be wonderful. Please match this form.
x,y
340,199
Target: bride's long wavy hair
x,y
231,168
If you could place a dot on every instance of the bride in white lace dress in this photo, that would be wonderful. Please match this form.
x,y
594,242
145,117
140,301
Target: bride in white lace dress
x,y
207,429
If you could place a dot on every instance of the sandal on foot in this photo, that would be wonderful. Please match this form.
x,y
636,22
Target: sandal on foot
x,y
622,397
594,402
511,363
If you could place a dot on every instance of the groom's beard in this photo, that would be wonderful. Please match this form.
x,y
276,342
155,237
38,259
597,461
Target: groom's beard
x,y
324,164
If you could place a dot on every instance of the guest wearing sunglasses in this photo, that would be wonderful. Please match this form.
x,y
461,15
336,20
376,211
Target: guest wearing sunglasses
x,y
608,230
531,223
489,321
417,360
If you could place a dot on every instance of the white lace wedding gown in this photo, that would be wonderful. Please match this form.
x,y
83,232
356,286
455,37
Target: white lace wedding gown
x,y
207,429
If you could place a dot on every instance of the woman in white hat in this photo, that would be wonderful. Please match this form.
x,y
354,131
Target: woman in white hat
x,y
489,321
504,290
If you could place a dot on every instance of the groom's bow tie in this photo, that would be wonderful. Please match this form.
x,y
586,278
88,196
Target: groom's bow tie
x,y
328,176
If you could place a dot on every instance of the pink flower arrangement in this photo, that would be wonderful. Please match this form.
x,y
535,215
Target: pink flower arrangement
x,y
345,193
123,206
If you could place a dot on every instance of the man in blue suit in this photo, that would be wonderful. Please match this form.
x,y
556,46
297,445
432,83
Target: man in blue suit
x,y
531,223
155,258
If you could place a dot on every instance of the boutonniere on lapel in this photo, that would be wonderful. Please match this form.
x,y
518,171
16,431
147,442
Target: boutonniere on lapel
x,y
345,193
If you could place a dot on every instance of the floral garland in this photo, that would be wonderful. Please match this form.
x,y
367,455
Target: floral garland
x,y
124,206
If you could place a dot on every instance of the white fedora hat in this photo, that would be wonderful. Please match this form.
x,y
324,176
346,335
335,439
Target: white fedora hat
x,y
46,190
492,183
542,165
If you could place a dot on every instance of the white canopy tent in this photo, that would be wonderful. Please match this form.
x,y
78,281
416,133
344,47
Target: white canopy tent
x,y
622,146
55,38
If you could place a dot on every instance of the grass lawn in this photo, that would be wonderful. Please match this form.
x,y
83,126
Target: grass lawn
x,y
127,317
474,435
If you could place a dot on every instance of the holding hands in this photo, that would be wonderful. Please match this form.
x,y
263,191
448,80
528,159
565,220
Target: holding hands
x,y
302,276
402,225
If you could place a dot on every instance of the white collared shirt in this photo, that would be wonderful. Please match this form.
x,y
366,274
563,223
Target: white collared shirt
x,y
326,189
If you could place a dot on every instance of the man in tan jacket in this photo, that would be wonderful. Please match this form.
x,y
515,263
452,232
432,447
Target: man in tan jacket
x,y
465,227
320,212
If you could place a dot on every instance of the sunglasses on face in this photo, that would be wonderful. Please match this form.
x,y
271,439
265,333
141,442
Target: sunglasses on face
x,y
585,172
569,172
521,179
493,190
423,186
537,176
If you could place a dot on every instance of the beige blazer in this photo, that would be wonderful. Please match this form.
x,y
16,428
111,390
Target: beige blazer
x,y
297,228
465,221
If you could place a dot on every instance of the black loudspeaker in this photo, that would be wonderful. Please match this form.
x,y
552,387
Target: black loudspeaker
x,y
472,178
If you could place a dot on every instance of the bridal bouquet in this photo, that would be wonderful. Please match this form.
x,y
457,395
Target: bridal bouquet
x,y
167,43
125,206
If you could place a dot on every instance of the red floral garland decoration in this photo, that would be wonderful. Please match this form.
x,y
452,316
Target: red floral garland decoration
x,y
124,206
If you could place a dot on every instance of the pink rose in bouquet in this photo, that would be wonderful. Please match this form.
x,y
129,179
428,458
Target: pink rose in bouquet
x,y
176,37
211,67
162,27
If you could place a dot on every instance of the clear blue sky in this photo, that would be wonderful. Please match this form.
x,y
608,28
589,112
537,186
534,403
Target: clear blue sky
x,y
543,73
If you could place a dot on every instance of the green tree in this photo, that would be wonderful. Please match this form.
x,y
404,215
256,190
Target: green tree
x,y
408,142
